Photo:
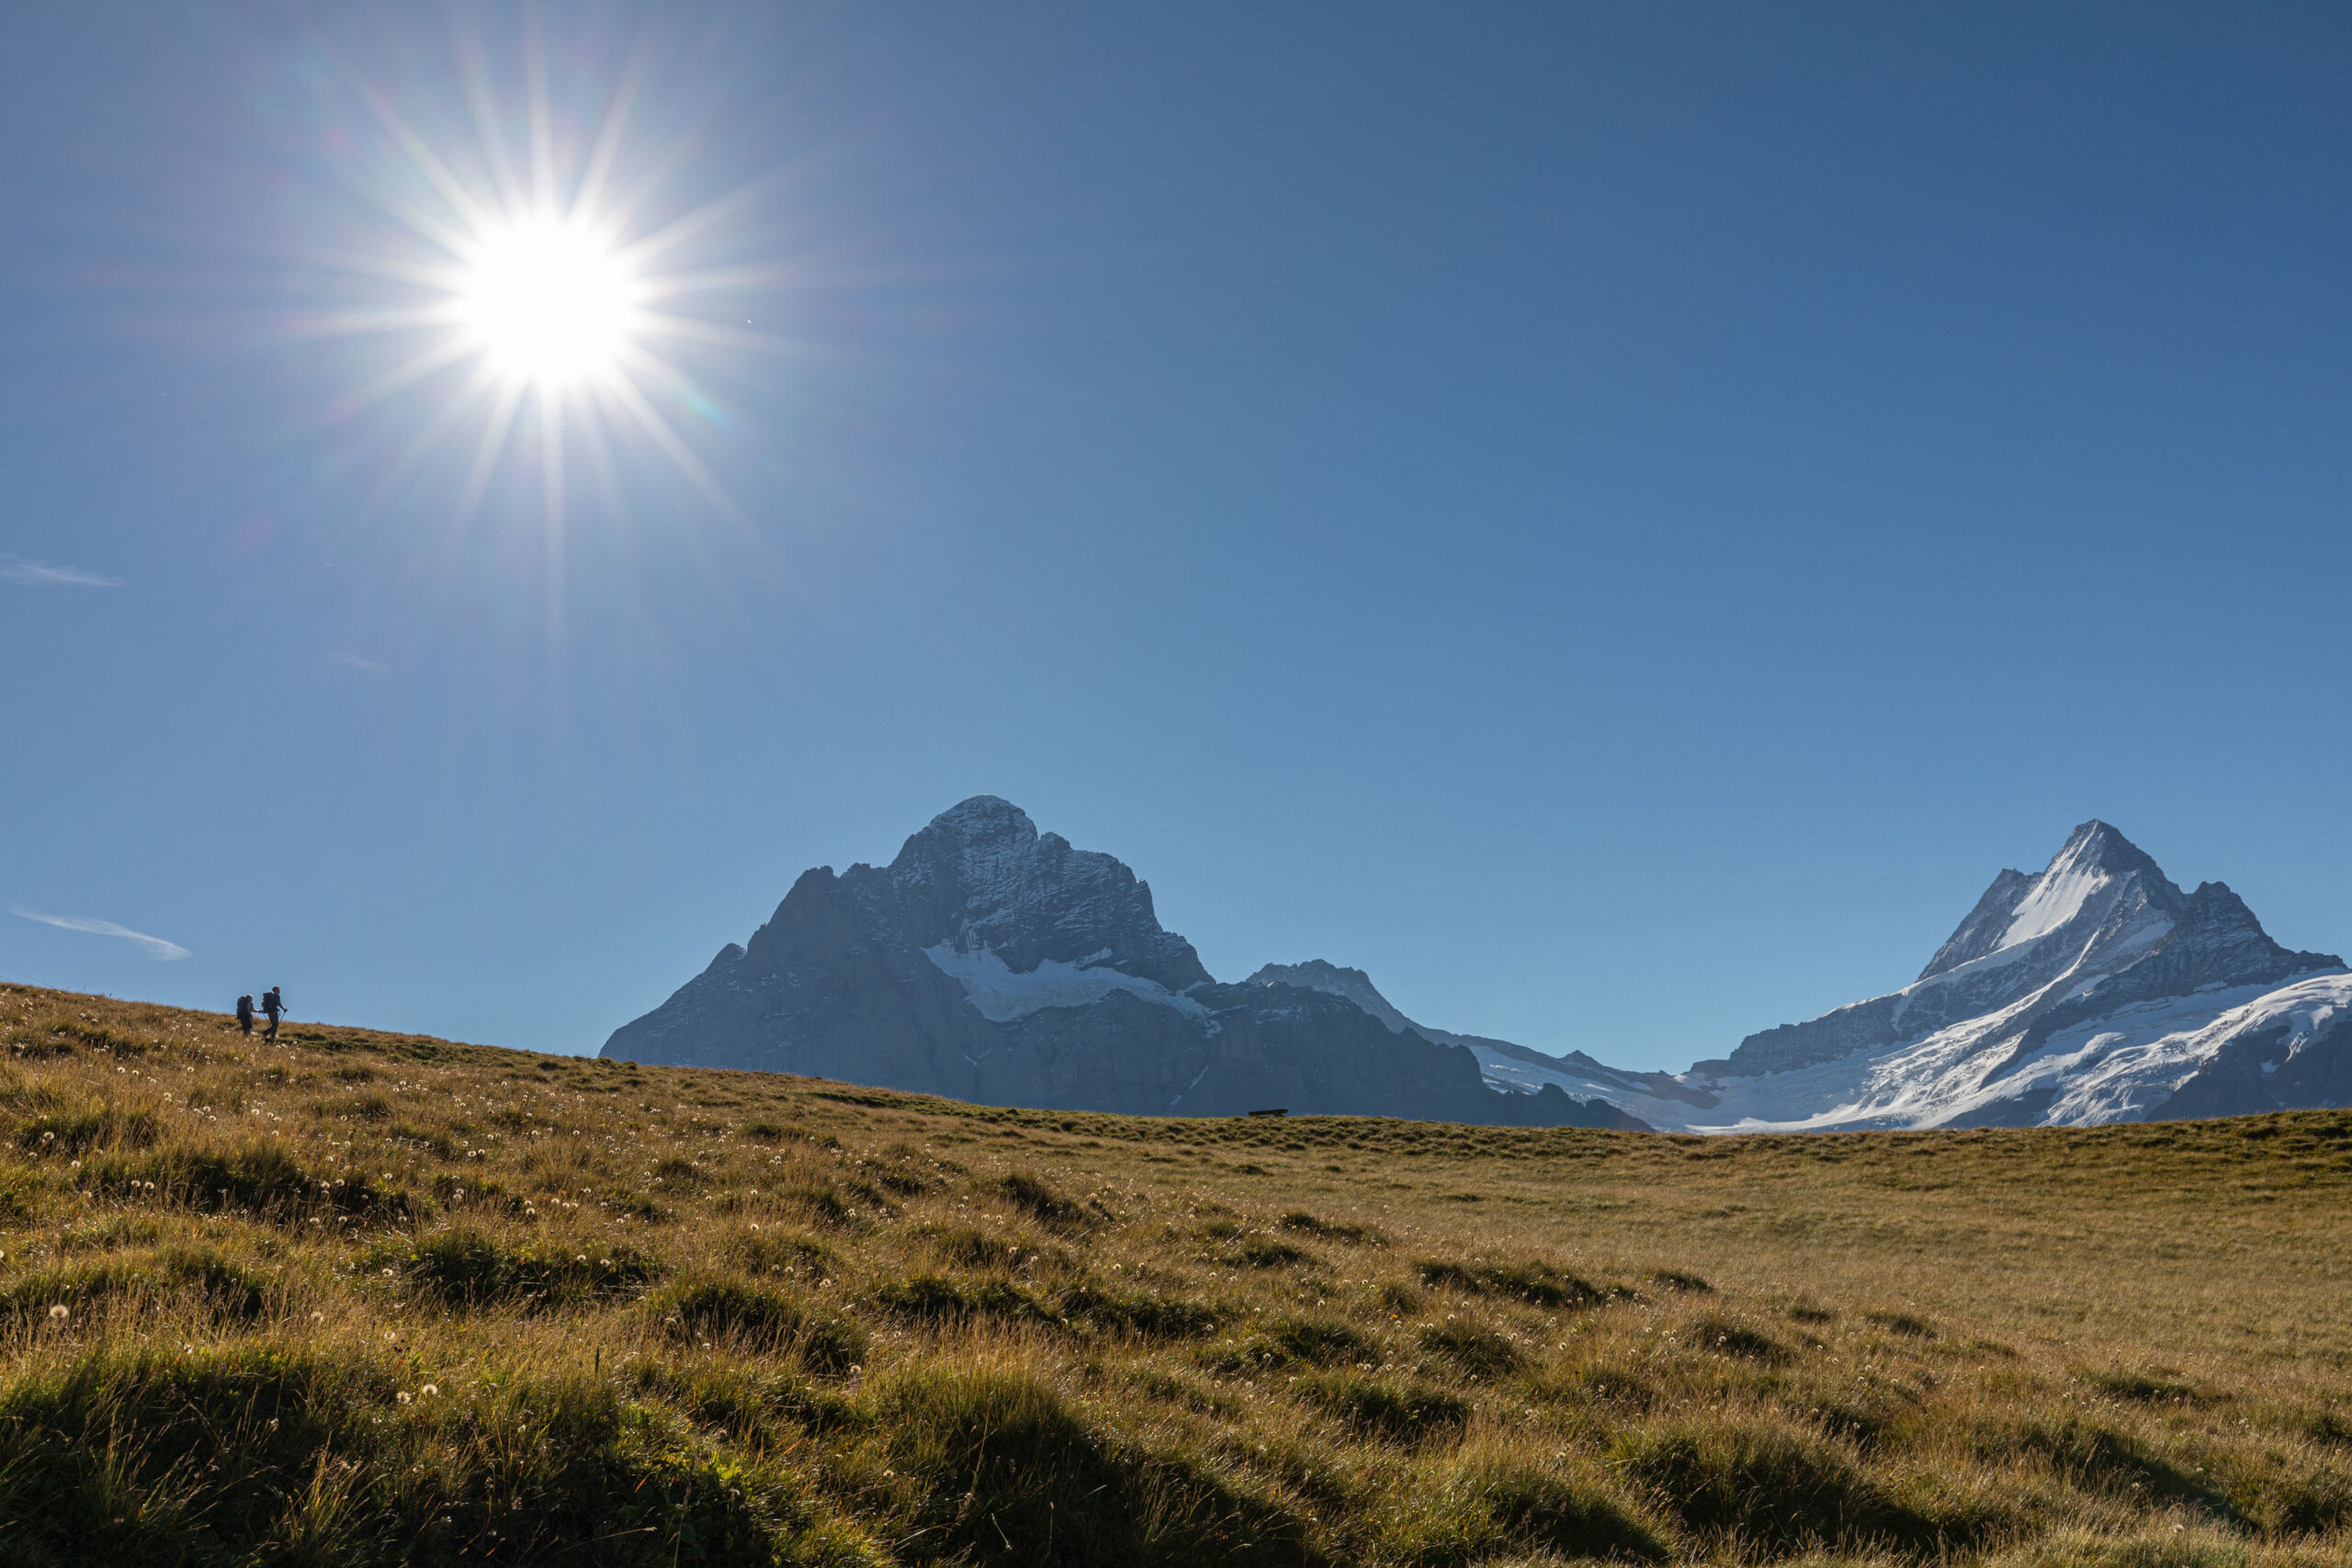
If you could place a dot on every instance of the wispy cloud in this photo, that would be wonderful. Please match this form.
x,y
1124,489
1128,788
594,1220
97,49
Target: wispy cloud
x,y
40,574
359,663
155,947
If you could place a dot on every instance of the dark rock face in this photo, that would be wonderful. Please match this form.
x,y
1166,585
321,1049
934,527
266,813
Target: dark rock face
x,y
2102,916
1981,932
2270,1069
991,963
1320,975
1334,979
981,876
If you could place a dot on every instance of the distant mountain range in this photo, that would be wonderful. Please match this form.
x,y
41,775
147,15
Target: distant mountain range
x,y
991,963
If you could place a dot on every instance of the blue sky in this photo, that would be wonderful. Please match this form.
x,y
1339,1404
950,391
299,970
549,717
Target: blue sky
x,y
1618,520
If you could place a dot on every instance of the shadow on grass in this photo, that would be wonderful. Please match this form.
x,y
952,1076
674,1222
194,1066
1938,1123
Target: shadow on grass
x,y
255,1455
1011,1474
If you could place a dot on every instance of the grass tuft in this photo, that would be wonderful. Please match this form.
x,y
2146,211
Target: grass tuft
x,y
469,1270
941,1299
1729,1337
1908,1324
1472,1348
1764,1489
1481,1508
1040,1201
1332,1230
761,1320
1012,1472
1538,1284
1383,1410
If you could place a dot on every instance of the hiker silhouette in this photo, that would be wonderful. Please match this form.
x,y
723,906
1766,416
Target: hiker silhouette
x,y
272,1004
245,1013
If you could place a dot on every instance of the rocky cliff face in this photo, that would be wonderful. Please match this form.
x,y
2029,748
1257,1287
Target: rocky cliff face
x,y
1510,1067
993,963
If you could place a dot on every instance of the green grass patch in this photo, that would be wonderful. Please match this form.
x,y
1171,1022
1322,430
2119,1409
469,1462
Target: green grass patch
x,y
265,1180
1299,1220
1538,1284
1139,1314
1488,1508
1383,1409
1472,1349
468,1270
761,1320
1012,1475
1763,1489
253,1455
1037,1198
944,1299
68,1298
1729,1337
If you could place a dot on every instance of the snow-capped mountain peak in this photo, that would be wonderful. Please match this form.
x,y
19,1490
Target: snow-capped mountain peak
x,y
2098,881
2100,937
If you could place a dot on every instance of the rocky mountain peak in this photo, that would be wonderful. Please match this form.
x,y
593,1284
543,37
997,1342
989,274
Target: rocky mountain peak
x,y
2217,942
980,876
983,850
1321,975
985,826
2103,844
2098,885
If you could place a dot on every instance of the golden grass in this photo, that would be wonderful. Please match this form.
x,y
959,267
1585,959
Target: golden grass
x,y
356,1297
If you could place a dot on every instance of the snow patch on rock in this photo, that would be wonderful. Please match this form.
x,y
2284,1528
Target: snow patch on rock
x,y
1000,995
2058,896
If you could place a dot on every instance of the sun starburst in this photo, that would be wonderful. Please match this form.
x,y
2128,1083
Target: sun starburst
x,y
537,307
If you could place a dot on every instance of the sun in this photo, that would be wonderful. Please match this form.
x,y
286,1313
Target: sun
x,y
553,290
549,302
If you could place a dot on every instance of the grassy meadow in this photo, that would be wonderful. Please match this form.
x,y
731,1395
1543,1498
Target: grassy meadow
x,y
356,1297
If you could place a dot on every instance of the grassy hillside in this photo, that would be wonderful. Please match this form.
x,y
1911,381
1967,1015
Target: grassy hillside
x,y
360,1297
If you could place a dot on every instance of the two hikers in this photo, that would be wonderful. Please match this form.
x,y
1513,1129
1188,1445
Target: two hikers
x,y
271,1003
